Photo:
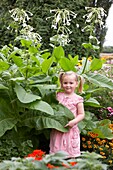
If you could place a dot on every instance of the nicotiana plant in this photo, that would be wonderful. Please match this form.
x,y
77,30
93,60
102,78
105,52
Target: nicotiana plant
x,y
29,81
61,20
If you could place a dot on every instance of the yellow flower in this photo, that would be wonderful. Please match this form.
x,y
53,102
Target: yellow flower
x,y
104,157
103,141
111,144
100,149
90,58
111,126
79,64
103,58
107,146
110,161
100,143
95,146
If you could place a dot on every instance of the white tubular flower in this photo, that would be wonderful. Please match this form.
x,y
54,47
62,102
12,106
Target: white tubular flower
x,y
77,25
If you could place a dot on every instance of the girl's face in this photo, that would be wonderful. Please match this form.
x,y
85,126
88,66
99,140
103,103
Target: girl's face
x,y
69,83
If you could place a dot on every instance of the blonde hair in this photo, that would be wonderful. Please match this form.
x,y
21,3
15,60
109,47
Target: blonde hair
x,y
78,78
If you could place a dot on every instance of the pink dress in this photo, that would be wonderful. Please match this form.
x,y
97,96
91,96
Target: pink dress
x,y
68,141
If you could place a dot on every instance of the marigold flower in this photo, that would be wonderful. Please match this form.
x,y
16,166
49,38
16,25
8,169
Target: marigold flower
x,y
104,157
111,126
92,134
101,149
89,146
89,142
107,146
98,139
95,146
100,143
102,153
84,146
103,141
111,144
83,139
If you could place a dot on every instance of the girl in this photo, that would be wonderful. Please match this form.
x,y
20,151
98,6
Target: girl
x,y
69,141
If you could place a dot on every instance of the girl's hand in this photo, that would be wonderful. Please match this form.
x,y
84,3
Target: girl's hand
x,y
70,124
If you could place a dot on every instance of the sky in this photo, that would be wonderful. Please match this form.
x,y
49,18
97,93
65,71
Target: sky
x,y
109,25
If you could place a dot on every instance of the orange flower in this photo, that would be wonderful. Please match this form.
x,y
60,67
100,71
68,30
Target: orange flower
x,y
83,139
84,146
88,142
89,146
92,134
102,153
100,149
98,139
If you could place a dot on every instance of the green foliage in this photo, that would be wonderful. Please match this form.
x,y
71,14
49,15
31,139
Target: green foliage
x,y
9,149
90,161
56,161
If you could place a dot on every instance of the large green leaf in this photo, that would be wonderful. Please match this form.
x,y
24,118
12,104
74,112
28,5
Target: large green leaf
x,y
46,64
26,43
25,97
99,80
3,65
42,106
96,64
17,60
103,130
61,111
67,64
3,87
7,118
74,59
42,122
40,79
58,53
92,102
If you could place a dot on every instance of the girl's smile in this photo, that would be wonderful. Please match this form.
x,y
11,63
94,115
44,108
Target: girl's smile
x,y
69,84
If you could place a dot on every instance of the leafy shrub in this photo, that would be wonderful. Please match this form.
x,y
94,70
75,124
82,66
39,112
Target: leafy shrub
x,y
9,149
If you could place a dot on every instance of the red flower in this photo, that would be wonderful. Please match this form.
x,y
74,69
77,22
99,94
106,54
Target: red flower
x,y
65,165
50,166
73,163
37,154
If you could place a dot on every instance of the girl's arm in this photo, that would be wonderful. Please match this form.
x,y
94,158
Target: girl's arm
x,y
80,115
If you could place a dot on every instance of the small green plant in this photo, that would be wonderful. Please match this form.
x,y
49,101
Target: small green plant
x,y
38,160
90,161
